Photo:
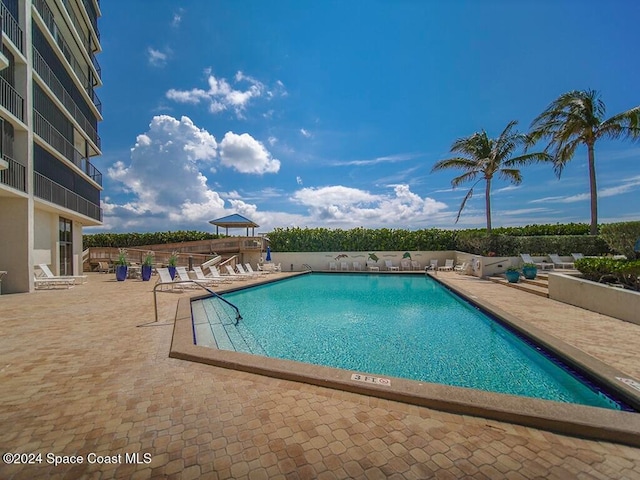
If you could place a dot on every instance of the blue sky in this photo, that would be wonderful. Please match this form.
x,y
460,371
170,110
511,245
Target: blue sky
x,y
332,113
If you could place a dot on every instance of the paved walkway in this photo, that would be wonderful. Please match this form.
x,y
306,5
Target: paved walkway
x,y
78,376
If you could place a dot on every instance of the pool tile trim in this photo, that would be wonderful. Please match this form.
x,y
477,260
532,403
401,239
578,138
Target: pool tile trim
x,y
569,419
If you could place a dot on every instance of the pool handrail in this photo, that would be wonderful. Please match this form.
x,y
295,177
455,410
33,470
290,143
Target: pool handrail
x,y
155,300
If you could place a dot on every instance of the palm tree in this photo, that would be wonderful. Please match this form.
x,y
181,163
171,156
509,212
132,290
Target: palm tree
x,y
485,157
576,118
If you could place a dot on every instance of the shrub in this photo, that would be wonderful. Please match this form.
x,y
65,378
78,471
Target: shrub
x,y
621,237
609,270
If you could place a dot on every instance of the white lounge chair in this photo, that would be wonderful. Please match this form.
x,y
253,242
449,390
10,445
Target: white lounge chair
x,y
233,274
344,266
557,261
47,273
577,256
53,282
250,270
448,265
461,268
415,265
215,274
357,266
390,266
165,280
242,271
333,266
405,264
433,265
526,258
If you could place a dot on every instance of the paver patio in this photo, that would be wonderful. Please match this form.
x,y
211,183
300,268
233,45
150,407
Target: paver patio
x,y
80,376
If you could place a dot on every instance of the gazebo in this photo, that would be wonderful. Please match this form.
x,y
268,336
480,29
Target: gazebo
x,y
234,221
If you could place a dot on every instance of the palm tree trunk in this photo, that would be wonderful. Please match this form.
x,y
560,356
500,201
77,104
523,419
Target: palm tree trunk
x,y
594,191
487,203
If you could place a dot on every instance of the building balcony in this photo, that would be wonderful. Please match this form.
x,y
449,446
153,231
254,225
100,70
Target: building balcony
x,y
11,100
47,75
14,175
53,192
11,28
53,137
54,30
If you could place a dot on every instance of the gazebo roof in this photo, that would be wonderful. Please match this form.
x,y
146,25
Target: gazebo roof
x,y
233,221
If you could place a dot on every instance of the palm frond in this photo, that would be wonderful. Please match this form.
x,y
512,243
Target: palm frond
x,y
456,162
464,202
465,177
622,125
512,175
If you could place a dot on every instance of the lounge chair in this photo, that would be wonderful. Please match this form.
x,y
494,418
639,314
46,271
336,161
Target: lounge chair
x,y
242,271
461,268
104,267
333,266
344,266
251,271
164,279
415,265
46,273
183,276
557,261
405,264
526,258
357,266
215,274
46,282
433,265
448,265
389,265
233,274
577,256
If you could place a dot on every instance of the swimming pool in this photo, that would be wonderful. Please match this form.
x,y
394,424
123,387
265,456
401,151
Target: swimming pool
x,y
389,325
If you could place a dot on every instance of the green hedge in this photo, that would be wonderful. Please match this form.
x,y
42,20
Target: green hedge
x,y
608,270
139,239
621,237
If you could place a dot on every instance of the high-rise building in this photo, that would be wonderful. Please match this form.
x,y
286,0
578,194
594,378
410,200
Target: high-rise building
x,y
49,114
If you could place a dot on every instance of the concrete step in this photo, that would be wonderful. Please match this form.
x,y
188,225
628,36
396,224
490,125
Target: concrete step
x,y
540,282
534,289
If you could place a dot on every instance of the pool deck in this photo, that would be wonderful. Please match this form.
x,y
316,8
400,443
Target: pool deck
x,y
80,375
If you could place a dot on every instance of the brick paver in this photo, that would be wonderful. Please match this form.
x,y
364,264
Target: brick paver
x,y
79,375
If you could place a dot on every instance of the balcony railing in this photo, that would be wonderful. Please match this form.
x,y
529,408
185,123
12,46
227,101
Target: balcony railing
x,y
11,27
54,30
15,175
11,100
53,192
85,39
40,65
53,137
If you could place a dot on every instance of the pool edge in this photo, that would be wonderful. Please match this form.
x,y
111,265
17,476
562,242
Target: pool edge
x,y
569,419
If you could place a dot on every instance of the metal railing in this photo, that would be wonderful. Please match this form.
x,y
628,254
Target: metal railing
x,y
53,137
53,192
46,73
84,38
48,18
15,175
11,27
11,99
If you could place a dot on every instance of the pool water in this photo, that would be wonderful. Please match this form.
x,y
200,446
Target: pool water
x,y
404,326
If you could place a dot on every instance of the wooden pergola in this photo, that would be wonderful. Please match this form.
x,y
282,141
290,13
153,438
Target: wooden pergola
x,y
234,221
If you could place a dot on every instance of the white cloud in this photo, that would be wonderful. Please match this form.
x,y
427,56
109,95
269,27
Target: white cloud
x,y
628,185
246,155
399,157
299,180
221,95
177,18
157,58
352,207
305,133
272,141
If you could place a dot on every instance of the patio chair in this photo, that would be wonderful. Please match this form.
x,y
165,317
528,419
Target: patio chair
x,y
215,274
577,256
344,266
461,268
448,265
164,279
242,271
405,264
433,265
183,276
557,261
526,258
357,266
46,273
333,266
415,265
233,274
389,265
104,267
52,282
250,270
